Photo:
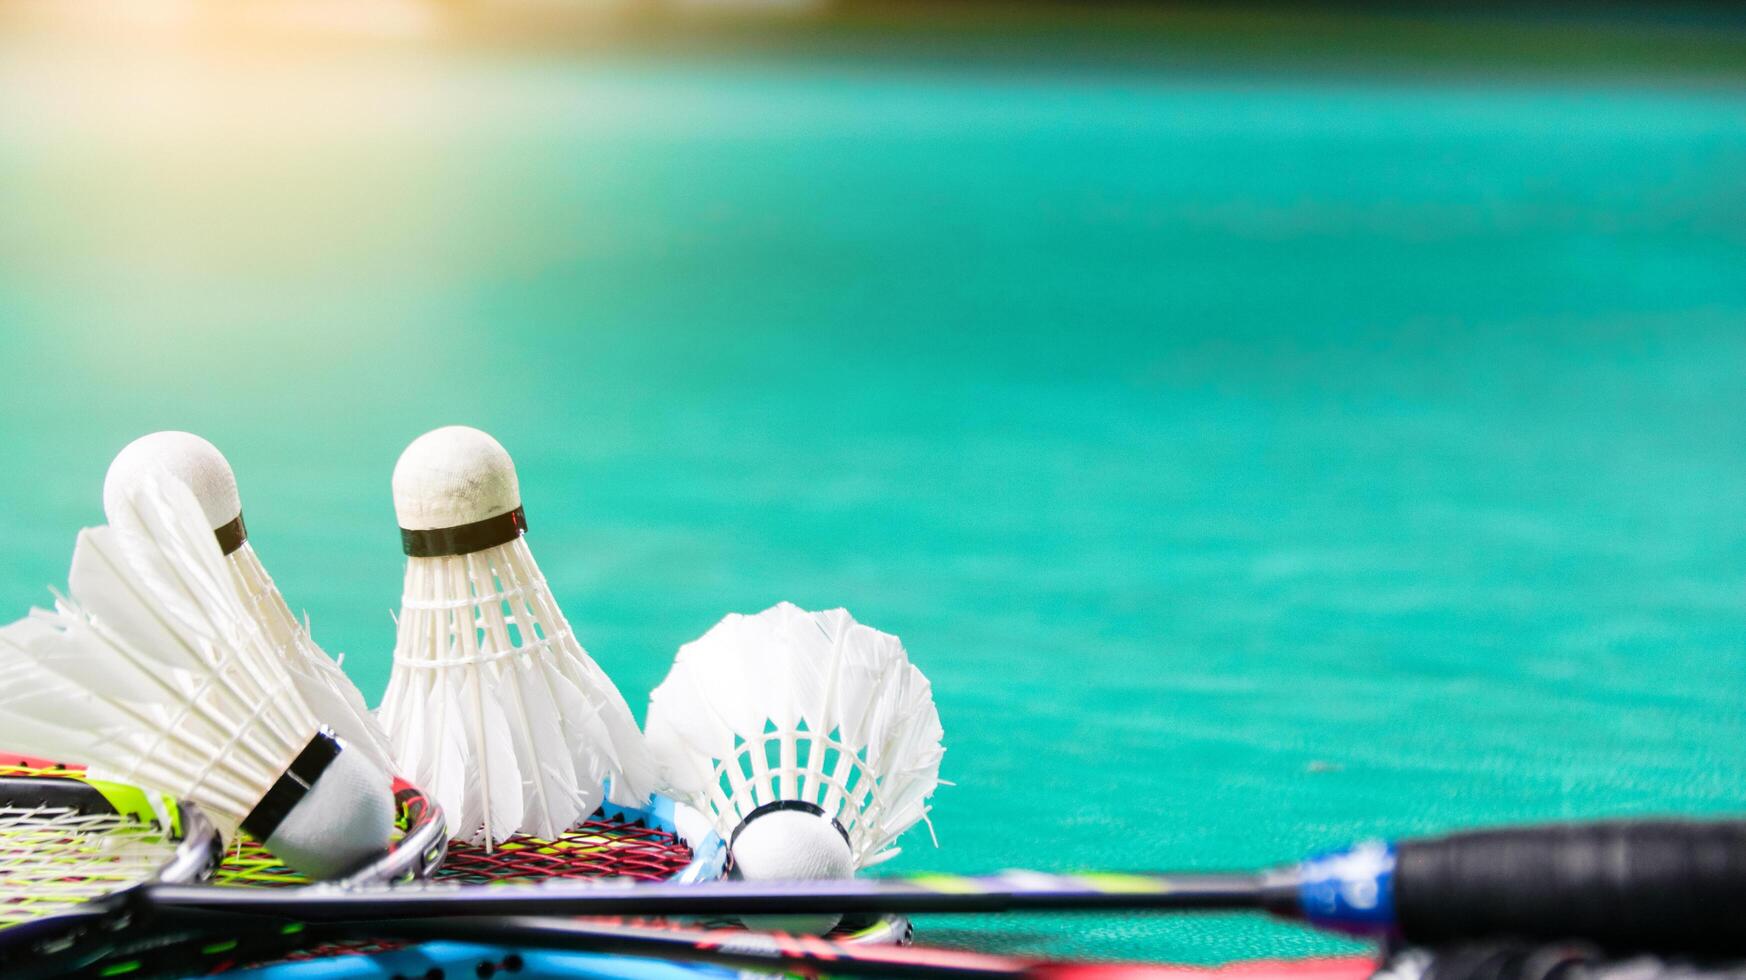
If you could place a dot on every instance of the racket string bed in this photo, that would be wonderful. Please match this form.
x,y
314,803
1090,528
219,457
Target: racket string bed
x,y
54,858
596,848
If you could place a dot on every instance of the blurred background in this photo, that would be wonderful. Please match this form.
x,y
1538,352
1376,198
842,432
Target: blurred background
x,y
1267,426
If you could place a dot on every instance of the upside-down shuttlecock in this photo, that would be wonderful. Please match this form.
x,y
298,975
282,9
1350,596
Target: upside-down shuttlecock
x,y
809,739
203,469
493,706
155,671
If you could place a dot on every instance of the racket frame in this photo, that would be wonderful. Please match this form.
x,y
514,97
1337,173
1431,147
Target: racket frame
x,y
40,943
125,931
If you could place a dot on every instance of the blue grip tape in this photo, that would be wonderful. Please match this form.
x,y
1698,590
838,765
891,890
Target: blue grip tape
x,y
1350,891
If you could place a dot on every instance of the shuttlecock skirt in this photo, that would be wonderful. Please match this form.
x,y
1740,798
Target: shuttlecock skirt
x,y
809,708
495,708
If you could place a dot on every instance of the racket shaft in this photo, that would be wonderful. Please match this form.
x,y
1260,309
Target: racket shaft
x,y
1662,886
1011,892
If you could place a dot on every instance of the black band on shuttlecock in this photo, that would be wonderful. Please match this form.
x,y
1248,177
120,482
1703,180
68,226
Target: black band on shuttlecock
x,y
774,805
293,785
465,539
231,536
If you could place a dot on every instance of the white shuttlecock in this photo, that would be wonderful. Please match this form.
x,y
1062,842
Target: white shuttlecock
x,y
156,672
203,469
810,740
493,706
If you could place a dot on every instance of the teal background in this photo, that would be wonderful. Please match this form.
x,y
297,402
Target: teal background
x,y
1254,460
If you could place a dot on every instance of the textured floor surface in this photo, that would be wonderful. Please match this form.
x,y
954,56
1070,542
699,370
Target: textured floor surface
x,y
1253,462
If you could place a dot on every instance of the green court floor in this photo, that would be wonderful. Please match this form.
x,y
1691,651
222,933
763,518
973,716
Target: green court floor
x,y
1255,459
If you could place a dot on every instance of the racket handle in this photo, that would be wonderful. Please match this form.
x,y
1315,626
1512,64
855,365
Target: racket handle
x,y
1661,885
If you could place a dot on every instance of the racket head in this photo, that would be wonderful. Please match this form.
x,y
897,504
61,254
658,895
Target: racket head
x,y
655,842
661,841
72,849
664,840
415,849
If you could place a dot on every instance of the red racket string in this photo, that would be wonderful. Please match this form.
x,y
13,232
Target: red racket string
x,y
596,848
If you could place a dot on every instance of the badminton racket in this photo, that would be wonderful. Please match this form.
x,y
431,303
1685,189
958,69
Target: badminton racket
x,y
648,844
1667,885
1650,884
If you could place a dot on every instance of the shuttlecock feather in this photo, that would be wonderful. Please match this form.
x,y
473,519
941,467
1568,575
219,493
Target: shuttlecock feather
x,y
809,739
154,670
493,706
199,465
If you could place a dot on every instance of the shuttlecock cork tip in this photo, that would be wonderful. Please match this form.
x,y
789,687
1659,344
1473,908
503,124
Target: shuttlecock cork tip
x,y
788,842
453,477
185,456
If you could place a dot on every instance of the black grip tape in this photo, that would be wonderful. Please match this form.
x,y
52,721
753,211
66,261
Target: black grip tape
x,y
1662,885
